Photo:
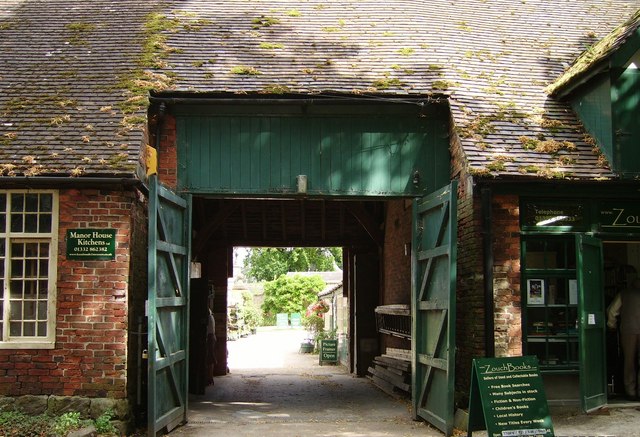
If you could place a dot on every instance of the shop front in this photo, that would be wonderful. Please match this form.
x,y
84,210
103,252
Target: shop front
x,y
576,255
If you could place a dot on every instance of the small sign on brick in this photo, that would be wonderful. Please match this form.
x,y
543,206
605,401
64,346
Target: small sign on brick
x,y
91,244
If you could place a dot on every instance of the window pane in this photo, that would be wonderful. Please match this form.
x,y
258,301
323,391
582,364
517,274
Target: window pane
x,y
17,202
29,329
43,271
16,289
31,202
16,310
30,289
45,223
42,329
30,250
29,310
3,222
15,329
556,255
42,310
17,249
31,268
17,268
43,289
16,223
31,223
46,203
535,255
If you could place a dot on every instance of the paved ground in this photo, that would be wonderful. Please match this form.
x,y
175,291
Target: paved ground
x,y
273,390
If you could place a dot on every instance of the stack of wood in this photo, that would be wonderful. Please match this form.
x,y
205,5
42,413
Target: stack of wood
x,y
391,372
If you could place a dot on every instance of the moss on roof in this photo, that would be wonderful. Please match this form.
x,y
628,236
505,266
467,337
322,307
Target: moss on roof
x,y
596,53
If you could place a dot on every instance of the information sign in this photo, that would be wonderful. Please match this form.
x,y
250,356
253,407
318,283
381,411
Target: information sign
x,y
91,244
328,351
507,398
282,320
296,320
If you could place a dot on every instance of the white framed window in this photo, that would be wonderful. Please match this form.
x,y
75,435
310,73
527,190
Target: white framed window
x,y
28,268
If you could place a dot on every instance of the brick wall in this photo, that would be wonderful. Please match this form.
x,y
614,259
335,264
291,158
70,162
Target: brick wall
x,y
470,290
90,354
506,275
168,153
397,261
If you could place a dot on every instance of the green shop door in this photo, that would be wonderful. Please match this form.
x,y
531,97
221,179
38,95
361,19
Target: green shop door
x,y
433,307
591,322
167,308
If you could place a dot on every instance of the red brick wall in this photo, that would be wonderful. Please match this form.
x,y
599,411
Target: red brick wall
x,y
397,253
397,261
168,153
506,275
90,353
470,290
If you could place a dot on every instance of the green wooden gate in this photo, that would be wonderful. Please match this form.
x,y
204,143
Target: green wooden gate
x,y
167,308
433,307
591,316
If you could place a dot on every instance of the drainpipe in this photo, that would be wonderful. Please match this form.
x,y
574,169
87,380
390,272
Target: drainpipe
x,y
487,248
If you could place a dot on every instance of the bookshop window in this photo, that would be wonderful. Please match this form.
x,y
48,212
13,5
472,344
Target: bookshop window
x,y
550,298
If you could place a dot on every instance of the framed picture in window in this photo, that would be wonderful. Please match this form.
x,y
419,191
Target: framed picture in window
x,y
535,291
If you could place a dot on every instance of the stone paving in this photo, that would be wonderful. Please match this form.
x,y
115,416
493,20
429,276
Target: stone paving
x,y
273,390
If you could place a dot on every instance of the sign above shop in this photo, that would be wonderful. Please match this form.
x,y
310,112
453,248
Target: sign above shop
x,y
620,216
551,214
91,244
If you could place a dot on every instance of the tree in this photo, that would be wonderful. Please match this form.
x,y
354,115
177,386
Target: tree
x,y
291,294
267,264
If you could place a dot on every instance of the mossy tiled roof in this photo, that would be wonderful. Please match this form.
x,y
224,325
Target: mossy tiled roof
x,y
74,74
597,53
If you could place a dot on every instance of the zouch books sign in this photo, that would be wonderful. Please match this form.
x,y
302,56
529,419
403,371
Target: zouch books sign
x,y
91,244
507,398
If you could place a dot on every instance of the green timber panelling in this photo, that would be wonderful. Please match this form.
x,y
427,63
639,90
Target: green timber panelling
x,y
625,96
594,109
261,151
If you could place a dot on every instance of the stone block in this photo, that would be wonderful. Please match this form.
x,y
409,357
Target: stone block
x,y
7,403
31,405
58,405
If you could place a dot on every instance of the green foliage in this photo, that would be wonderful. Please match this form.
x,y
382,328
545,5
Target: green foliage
x,y
67,422
13,423
313,323
103,423
291,294
267,264
251,313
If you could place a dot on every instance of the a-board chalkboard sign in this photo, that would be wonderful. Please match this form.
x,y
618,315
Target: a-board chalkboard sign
x,y
507,398
328,351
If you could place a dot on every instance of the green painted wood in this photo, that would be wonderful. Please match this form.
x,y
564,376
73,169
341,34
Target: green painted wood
x,y
591,329
433,307
341,154
593,106
168,296
625,96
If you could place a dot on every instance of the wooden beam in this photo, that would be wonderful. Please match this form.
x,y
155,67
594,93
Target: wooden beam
x,y
367,222
207,232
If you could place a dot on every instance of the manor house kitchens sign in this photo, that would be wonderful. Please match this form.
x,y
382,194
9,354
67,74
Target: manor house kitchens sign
x,y
91,244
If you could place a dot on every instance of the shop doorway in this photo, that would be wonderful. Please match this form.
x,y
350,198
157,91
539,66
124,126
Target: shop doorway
x,y
621,268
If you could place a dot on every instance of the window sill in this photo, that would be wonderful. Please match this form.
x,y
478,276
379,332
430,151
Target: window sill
x,y
27,344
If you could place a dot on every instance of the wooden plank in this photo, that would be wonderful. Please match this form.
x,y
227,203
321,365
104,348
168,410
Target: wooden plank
x,y
398,364
391,369
397,380
403,354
